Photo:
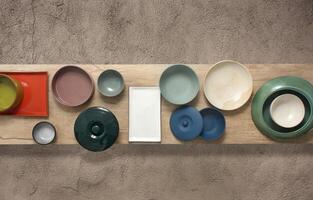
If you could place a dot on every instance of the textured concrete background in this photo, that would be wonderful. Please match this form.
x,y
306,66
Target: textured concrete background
x,y
142,31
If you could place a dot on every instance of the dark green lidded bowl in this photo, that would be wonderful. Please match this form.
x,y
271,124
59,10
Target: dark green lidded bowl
x,y
96,129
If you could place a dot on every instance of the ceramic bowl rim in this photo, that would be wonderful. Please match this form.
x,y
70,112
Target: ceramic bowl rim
x,y
278,98
118,75
185,67
231,61
54,79
44,122
17,87
268,90
306,124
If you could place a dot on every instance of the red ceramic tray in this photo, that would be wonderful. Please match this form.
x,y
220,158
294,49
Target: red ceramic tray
x,y
35,100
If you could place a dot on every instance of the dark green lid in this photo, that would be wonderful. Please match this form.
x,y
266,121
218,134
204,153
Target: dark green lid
x,y
96,129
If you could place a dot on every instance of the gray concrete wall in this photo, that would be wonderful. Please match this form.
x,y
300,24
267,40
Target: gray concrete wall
x,y
144,31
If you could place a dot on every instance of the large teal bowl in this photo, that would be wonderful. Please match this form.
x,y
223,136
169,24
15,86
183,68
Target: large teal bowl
x,y
268,92
179,84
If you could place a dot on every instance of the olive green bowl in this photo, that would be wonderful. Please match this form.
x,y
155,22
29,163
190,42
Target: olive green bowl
x,y
272,89
179,84
11,93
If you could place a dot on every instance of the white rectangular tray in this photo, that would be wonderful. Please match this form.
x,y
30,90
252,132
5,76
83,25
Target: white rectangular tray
x,y
144,114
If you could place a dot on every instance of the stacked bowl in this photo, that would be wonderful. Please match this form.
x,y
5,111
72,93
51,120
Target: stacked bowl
x,y
283,107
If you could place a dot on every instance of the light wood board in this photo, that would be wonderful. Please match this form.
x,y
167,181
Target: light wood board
x,y
240,128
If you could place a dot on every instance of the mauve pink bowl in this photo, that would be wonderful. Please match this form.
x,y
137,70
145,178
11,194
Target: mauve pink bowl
x,y
72,86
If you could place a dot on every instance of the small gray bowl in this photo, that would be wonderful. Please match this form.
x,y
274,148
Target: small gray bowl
x,y
110,83
44,133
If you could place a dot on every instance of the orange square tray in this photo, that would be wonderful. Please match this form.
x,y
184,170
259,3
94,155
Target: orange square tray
x,y
35,99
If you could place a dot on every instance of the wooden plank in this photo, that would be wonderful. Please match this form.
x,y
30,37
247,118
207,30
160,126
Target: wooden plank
x,y
240,128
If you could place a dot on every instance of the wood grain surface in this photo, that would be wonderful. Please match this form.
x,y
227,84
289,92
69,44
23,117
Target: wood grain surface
x,y
240,128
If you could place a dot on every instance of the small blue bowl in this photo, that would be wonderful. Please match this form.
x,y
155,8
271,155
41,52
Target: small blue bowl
x,y
213,124
186,123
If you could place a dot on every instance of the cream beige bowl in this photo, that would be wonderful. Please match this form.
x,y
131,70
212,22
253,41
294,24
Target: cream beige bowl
x,y
287,110
228,85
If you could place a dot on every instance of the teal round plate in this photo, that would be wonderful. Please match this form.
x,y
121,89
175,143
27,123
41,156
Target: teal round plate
x,y
272,89
96,129
179,84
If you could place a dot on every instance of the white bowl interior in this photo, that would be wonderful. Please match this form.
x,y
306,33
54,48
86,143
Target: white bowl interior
x,y
287,110
44,133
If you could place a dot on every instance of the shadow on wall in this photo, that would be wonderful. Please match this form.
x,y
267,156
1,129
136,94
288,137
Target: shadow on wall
x,y
145,150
